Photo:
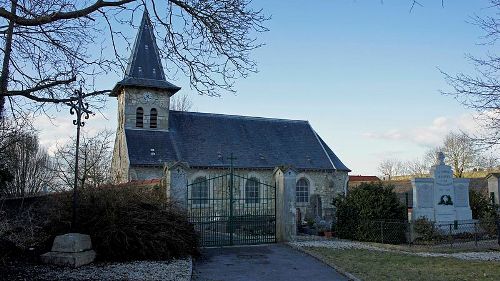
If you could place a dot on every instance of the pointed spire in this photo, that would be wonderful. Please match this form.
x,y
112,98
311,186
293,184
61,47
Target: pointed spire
x,y
144,66
145,59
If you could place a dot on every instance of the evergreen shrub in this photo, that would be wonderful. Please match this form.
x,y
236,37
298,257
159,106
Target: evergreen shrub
x,y
368,212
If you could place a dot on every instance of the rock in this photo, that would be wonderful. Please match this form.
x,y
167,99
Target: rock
x,y
69,259
72,243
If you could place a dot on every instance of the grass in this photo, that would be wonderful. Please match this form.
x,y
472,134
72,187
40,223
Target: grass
x,y
375,265
483,246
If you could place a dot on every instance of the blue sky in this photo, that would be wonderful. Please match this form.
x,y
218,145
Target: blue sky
x,y
364,74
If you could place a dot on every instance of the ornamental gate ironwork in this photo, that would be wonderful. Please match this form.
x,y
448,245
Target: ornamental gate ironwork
x,y
231,209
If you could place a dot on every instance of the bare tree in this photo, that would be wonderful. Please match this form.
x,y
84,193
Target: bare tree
x,y
461,152
94,161
30,166
390,168
487,161
417,167
181,103
49,46
481,90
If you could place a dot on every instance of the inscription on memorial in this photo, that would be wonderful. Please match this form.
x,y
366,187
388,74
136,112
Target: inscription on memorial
x,y
425,194
461,198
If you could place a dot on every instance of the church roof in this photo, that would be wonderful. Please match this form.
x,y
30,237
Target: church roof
x,y
144,66
207,140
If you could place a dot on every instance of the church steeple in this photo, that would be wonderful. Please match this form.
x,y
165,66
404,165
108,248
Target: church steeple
x,y
144,68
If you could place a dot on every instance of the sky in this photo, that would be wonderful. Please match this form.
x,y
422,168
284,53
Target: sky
x,y
365,74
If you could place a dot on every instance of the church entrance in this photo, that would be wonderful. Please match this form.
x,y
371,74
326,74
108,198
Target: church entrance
x,y
231,209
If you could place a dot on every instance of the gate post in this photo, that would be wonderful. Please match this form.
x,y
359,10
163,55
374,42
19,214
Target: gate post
x,y
176,179
286,229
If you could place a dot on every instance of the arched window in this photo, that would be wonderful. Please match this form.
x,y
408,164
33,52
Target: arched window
x,y
153,118
252,191
139,117
199,191
302,191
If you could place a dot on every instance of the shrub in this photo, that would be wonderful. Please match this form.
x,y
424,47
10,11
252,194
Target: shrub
x,y
124,223
488,223
424,229
479,204
8,249
361,215
22,224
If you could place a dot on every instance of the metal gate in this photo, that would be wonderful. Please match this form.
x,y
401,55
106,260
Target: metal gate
x,y
231,209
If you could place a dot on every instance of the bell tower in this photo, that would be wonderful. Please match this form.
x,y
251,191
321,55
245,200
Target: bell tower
x,y
143,98
144,93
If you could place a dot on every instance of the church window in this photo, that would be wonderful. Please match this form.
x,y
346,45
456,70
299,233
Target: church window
x,y
252,191
199,191
146,47
153,115
139,116
302,191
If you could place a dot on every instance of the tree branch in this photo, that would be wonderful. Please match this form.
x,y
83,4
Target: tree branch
x,y
45,19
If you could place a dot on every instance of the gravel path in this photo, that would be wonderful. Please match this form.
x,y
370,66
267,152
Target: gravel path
x,y
177,270
343,244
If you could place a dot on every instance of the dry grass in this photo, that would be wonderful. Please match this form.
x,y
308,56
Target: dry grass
x,y
482,246
376,265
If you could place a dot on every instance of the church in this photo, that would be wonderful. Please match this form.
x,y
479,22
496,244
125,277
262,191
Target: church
x,y
151,139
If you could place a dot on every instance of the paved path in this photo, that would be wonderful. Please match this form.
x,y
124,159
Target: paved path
x,y
261,263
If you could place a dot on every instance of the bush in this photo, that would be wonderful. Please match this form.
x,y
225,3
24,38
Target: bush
x,y
425,229
22,226
7,250
124,223
479,204
368,211
489,224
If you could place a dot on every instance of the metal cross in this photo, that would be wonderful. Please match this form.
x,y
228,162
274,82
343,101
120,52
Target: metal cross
x,y
81,109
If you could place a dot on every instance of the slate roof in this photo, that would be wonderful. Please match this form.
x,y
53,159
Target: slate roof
x,y
144,66
207,140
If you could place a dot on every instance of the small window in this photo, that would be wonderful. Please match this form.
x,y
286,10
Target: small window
x,y
146,47
153,118
199,191
252,191
302,191
139,117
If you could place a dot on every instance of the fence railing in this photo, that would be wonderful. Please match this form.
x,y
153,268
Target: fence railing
x,y
427,233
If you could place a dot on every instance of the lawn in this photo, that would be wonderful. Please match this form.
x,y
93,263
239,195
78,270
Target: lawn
x,y
375,265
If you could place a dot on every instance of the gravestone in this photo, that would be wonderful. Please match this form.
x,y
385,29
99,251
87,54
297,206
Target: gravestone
x,y
315,208
441,198
298,217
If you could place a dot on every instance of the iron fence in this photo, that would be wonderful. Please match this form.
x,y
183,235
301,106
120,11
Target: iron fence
x,y
452,233
427,233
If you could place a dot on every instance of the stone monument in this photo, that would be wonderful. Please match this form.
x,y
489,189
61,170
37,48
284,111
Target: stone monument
x,y
441,198
71,249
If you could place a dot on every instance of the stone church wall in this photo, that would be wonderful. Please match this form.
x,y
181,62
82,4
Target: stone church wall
x,y
325,184
120,162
